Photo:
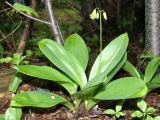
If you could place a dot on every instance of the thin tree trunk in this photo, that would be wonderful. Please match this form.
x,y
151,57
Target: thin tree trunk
x,y
152,26
26,32
54,24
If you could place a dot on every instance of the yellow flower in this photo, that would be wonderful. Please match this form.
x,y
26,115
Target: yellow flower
x,y
94,14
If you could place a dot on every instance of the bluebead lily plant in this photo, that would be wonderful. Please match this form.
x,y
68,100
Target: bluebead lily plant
x,y
71,61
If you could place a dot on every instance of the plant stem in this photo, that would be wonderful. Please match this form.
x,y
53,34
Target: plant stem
x,y
100,21
100,38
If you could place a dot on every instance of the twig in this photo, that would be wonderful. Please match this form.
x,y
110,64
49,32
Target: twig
x,y
8,44
54,24
5,10
11,32
28,15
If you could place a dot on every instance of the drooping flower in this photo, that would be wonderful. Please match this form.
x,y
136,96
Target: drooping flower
x,y
94,14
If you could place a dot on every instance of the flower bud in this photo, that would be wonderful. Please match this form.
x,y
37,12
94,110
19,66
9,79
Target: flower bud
x,y
105,15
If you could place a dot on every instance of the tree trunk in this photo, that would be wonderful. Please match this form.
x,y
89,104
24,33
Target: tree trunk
x,y
152,26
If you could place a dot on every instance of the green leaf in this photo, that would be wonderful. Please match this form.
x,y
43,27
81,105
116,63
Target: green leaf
x,y
17,58
6,60
17,79
119,114
131,69
151,69
2,117
37,99
91,86
142,105
48,73
137,114
122,114
149,118
154,83
151,110
109,112
26,9
76,45
118,108
13,113
117,68
157,118
90,103
64,60
123,88
110,56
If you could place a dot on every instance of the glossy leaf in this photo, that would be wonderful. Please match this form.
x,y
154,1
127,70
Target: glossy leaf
x,y
64,60
17,79
142,105
151,69
110,56
118,108
37,99
13,113
117,68
131,69
26,9
90,103
109,112
154,83
137,114
123,88
48,73
2,116
151,110
91,86
76,45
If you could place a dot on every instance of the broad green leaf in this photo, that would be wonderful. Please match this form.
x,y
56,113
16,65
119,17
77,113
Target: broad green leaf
x,y
154,83
119,114
151,69
110,56
142,105
17,58
109,112
13,113
37,99
122,114
2,116
123,88
117,67
26,9
157,118
118,108
151,110
91,86
149,118
76,45
48,73
131,69
6,60
64,60
17,79
137,114
90,103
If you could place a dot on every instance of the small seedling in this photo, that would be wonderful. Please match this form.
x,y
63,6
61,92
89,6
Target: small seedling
x,y
144,112
115,113
151,118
